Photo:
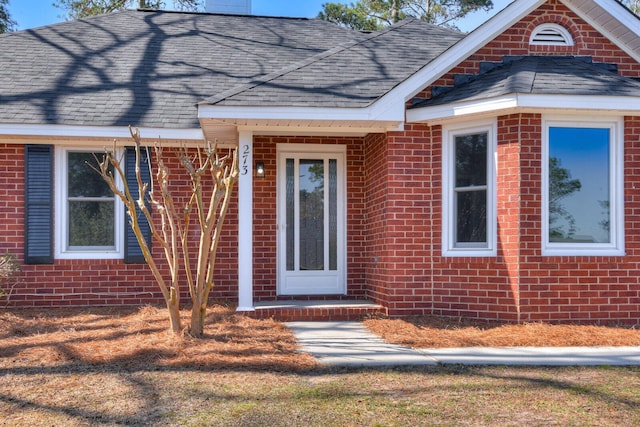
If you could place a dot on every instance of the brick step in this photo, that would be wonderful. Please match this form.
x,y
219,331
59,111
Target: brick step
x,y
292,311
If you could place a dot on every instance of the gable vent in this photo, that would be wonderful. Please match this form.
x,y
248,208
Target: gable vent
x,y
551,34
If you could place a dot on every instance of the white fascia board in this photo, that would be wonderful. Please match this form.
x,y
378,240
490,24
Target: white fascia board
x,y
617,12
293,113
449,111
615,105
66,131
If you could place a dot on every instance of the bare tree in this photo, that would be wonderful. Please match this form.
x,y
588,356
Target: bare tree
x,y
212,178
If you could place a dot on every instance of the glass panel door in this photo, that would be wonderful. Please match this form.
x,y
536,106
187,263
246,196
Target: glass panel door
x,y
311,223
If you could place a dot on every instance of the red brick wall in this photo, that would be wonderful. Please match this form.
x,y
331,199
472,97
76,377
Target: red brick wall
x,y
377,271
519,283
578,288
399,225
412,276
96,282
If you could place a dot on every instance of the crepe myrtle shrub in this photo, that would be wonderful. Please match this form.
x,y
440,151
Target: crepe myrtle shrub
x,y
10,270
212,178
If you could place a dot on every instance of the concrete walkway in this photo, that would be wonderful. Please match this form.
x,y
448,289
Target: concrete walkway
x,y
351,344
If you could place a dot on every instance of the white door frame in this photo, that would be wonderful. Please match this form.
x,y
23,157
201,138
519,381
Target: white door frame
x,y
312,282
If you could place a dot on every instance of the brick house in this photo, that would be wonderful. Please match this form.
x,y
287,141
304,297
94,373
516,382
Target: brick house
x,y
491,175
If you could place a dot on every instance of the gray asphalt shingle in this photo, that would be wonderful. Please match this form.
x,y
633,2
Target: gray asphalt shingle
x,y
540,75
146,68
351,75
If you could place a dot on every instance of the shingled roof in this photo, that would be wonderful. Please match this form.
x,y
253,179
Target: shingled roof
x,y
150,68
352,75
146,68
539,75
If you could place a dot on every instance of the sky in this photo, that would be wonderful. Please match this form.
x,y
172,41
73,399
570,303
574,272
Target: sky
x,y
36,13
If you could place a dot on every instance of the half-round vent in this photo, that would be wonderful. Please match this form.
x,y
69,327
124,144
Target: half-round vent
x,y
551,34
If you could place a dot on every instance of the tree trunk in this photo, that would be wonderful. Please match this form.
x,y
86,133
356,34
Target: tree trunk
x,y
173,306
198,314
394,11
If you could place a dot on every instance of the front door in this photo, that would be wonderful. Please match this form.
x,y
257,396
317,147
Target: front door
x,y
311,219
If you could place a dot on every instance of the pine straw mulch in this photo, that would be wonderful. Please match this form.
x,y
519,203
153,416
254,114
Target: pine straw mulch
x,y
436,332
139,339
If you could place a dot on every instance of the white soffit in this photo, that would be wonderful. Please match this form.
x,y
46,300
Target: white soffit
x,y
613,20
304,120
615,105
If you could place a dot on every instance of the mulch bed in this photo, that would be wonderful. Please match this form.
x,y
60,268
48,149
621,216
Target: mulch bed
x,y
435,332
139,339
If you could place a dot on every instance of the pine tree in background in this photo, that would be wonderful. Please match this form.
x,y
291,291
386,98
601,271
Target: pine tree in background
x,y
76,9
370,15
6,23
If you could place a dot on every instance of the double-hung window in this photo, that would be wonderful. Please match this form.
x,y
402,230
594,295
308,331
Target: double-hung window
x,y
88,215
469,209
583,187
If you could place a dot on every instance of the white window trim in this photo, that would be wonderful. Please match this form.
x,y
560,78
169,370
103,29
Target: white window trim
x,y
449,247
560,30
616,188
62,250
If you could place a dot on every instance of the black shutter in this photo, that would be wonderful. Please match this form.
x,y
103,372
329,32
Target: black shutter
x,y
132,252
38,199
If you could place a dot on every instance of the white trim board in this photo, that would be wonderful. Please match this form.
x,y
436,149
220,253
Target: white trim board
x,y
613,105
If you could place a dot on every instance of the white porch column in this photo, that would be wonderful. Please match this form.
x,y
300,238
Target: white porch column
x,y
245,222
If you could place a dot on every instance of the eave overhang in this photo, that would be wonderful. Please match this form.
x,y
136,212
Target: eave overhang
x,y
303,120
94,135
518,103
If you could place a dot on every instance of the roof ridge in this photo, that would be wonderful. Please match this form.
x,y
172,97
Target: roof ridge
x,y
301,64
204,13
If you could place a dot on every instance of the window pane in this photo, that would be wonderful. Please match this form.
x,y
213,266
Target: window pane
x,y
84,181
91,223
471,214
311,214
333,215
471,160
290,213
579,174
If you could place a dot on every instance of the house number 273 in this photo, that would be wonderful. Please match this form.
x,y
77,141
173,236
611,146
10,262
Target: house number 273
x,y
244,165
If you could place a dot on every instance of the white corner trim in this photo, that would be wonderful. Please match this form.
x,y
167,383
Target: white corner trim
x,y
614,104
62,131
245,221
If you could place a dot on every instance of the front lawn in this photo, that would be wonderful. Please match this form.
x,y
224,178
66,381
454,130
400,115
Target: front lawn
x,y
113,367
